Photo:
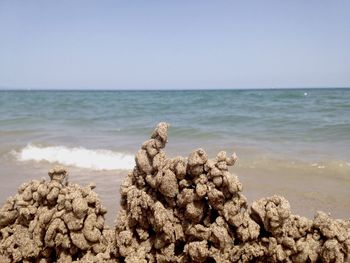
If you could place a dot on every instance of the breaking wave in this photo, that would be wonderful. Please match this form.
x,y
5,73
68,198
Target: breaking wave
x,y
77,156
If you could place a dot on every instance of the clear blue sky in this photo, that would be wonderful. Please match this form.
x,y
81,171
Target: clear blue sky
x,y
174,44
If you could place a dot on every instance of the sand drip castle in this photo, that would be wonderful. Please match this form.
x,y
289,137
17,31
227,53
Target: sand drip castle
x,y
172,210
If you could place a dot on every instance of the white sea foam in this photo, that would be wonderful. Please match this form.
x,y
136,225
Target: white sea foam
x,y
77,156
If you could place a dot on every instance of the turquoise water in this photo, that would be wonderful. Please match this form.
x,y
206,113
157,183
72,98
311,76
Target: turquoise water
x,y
290,142
312,124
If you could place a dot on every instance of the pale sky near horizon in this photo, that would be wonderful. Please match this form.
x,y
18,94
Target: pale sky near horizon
x,y
174,44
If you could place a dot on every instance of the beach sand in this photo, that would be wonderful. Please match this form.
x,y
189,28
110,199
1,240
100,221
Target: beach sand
x,y
172,210
307,192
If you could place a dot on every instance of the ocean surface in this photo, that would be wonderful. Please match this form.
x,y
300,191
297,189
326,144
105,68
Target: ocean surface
x,y
293,142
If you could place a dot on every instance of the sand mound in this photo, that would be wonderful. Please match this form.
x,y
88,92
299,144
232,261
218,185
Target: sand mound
x,y
178,210
172,210
54,221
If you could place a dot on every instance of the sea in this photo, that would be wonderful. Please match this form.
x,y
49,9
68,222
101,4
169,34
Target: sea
x,y
290,142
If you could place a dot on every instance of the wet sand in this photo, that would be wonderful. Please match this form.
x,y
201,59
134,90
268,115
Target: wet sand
x,y
307,192
173,209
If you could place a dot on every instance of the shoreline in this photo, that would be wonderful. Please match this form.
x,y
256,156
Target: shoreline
x,y
171,210
307,192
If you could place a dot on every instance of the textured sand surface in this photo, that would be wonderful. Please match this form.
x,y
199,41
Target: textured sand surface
x,y
172,210
49,221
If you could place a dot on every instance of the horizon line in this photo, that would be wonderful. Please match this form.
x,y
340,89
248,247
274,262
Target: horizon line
x,y
172,89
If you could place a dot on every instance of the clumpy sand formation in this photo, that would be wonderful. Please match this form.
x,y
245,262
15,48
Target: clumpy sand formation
x,y
192,210
54,221
172,210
